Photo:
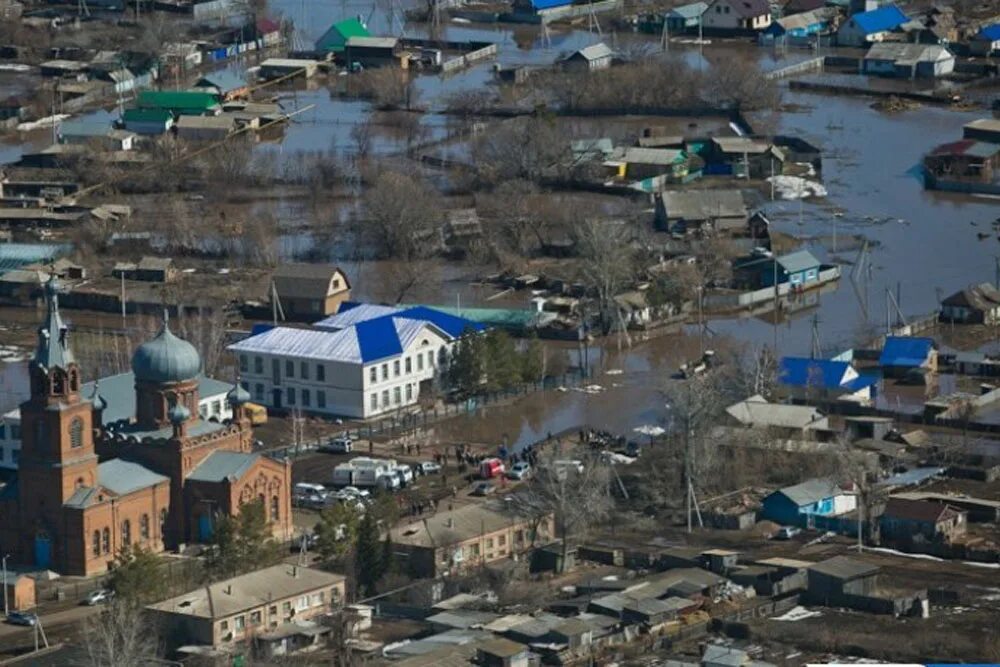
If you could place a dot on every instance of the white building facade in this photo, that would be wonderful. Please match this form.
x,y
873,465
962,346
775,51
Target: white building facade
x,y
363,362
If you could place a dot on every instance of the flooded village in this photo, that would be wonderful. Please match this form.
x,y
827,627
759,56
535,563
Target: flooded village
x,y
528,332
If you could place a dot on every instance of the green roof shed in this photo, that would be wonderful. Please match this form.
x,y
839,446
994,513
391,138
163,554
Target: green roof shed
x,y
335,38
180,102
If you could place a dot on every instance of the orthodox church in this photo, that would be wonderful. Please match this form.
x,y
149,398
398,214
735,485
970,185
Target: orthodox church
x,y
83,491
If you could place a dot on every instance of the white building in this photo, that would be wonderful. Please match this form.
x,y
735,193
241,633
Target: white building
x,y
365,361
118,392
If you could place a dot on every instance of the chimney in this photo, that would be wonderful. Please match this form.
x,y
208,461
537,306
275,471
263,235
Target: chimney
x,y
450,522
295,571
228,589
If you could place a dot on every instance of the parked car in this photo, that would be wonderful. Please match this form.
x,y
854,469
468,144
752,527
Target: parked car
x,y
353,492
483,489
427,467
405,474
341,445
490,468
786,533
519,470
22,618
99,596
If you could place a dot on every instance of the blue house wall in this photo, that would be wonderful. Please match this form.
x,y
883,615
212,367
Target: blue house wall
x,y
779,508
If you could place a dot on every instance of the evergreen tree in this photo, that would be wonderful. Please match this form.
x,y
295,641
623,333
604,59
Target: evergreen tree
x,y
501,361
336,531
369,556
465,370
137,577
388,558
242,544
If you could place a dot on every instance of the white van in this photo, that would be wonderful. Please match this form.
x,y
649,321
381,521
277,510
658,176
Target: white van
x,y
305,489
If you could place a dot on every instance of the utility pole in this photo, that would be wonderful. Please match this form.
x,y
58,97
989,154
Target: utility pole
x,y
816,351
774,266
6,609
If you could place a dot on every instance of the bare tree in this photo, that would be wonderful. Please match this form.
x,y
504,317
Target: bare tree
x,y
120,636
533,149
577,496
402,217
608,265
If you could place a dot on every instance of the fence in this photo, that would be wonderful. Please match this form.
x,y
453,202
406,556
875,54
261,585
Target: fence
x,y
397,425
811,65
181,576
747,299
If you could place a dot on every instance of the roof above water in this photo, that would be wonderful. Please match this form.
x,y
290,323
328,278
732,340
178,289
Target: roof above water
x,y
906,351
882,19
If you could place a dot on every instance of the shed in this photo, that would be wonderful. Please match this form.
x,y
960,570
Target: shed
x,y
277,68
500,652
149,269
227,84
908,356
686,17
205,128
840,575
590,58
800,504
336,36
19,591
370,51
149,122
682,210
720,561
982,129
908,61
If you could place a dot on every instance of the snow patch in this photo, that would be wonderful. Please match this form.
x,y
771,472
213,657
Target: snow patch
x,y
797,614
796,187
650,430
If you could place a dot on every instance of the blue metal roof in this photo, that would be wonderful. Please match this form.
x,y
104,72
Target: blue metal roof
x,y
880,20
378,339
905,351
452,325
549,4
802,372
16,255
990,33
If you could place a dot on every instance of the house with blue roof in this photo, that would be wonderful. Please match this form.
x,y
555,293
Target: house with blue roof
x,y
908,357
539,6
873,26
986,42
366,360
824,379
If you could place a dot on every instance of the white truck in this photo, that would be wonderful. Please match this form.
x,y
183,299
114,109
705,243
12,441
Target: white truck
x,y
367,473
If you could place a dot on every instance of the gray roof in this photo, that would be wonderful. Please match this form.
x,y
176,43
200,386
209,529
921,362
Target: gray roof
x,y
466,522
756,411
309,281
148,263
842,567
84,496
222,465
716,654
800,260
231,596
123,477
195,428
904,53
811,491
462,618
691,11
656,156
225,80
704,204
595,51
372,42
741,145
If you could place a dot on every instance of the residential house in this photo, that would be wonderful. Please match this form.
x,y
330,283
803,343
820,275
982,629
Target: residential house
x,y
986,42
979,304
462,230
268,32
13,109
205,128
756,412
637,163
335,38
740,156
966,162
801,504
908,356
719,655
310,291
906,521
287,68
227,85
119,393
982,129
761,269
179,102
737,15
716,210
799,26
790,7
539,6
908,61
500,652
273,609
368,52
101,134
19,591
871,26
149,269
590,58
362,362
587,150
685,18
802,377
147,122
466,537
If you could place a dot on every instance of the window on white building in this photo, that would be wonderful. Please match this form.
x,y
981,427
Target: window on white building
x,y
409,393
420,362
240,623
385,371
306,398
258,365
258,392
321,399
291,395
373,374
397,395
216,407
385,398
289,369
320,373
374,402
244,363
408,366
304,370
430,359
395,368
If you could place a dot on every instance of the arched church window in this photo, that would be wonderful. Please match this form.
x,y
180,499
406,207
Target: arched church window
x,y
76,433
163,520
106,541
95,548
275,504
126,532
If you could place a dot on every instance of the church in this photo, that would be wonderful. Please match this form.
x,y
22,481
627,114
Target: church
x,y
85,490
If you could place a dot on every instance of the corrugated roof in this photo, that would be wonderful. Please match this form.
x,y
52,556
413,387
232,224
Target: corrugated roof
x,y
811,491
16,255
882,19
905,351
691,11
146,116
176,100
704,204
368,42
352,312
231,596
748,8
303,280
221,465
466,522
845,568
123,477
549,4
755,411
798,261
337,35
802,372
657,156
990,33
225,80
118,392
983,296
907,53
917,510
595,51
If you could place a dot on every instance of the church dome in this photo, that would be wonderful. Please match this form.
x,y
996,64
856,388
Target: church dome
x,y
178,414
238,395
166,358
